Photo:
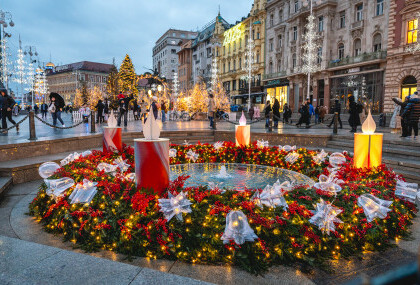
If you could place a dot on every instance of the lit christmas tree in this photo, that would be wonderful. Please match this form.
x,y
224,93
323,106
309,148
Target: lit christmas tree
x,y
127,77
94,95
199,98
82,96
112,87
182,103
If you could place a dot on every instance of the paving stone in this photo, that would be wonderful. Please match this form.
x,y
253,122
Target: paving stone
x,y
149,276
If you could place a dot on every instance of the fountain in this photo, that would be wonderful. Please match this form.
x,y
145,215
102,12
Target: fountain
x,y
223,173
237,176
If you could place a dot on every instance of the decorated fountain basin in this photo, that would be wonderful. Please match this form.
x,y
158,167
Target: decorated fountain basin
x,y
237,176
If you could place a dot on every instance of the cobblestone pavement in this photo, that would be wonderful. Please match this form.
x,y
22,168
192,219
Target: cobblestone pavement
x,y
45,132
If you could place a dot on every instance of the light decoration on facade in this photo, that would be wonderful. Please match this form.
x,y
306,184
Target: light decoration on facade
x,y
175,89
20,74
30,80
40,85
250,65
214,74
5,64
233,34
415,47
310,46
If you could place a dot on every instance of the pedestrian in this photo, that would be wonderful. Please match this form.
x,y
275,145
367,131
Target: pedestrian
x,y
286,113
16,110
211,110
317,109
267,110
276,113
135,109
354,109
6,110
85,112
55,109
163,109
106,110
322,112
122,110
404,122
412,114
100,109
44,110
311,110
36,109
305,116
155,107
395,122
143,110
336,110
251,112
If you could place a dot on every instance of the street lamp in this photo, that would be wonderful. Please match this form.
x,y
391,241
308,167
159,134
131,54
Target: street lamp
x,y
310,45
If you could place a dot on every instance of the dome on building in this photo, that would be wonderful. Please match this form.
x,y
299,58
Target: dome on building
x,y
49,65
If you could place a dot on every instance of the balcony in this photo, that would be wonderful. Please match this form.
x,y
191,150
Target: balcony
x,y
356,59
357,25
274,75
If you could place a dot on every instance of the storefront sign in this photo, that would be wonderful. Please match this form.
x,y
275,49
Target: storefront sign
x,y
233,34
278,82
356,69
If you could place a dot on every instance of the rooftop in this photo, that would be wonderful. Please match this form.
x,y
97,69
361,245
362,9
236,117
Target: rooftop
x,y
82,65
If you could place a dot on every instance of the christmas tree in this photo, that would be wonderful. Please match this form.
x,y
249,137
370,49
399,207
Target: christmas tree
x,y
199,98
82,97
112,87
127,77
221,99
95,95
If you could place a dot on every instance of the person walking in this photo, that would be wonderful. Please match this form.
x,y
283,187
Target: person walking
x,y
267,110
354,109
287,113
311,110
304,115
106,110
404,122
317,109
322,112
163,109
44,110
55,109
155,108
251,112
276,113
6,110
336,109
100,108
36,109
122,109
412,114
211,110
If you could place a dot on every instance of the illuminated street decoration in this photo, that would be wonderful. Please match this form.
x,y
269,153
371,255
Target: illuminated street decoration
x,y
233,34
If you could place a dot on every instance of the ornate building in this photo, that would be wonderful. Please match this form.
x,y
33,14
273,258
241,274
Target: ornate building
x,y
403,71
231,55
65,79
351,51
185,66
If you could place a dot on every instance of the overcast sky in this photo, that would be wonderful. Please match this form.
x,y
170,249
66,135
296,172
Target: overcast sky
x,y
98,30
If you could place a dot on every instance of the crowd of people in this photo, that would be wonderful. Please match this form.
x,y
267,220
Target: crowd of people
x,y
406,116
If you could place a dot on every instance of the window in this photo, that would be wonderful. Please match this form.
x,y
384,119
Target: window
x,y
183,36
270,67
240,63
412,31
281,15
280,41
258,34
341,51
271,20
377,42
320,23
319,59
359,12
234,46
295,33
240,43
234,65
379,7
173,51
342,19
357,47
234,85
253,34
294,60
229,66
279,65
296,6
224,67
258,57
270,45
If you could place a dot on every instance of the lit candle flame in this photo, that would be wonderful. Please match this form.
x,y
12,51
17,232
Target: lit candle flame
x,y
369,125
242,120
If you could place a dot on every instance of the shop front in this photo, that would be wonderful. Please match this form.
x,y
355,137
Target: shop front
x,y
365,84
278,89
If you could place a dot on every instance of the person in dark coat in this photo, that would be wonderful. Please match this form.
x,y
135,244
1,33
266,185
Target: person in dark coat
x,y
6,110
404,121
106,107
123,109
287,113
304,115
336,109
412,114
100,108
155,107
267,110
136,110
251,112
276,113
44,110
354,119
56,108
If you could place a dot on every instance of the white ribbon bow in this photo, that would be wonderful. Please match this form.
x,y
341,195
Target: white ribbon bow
x,y
175,206
325,215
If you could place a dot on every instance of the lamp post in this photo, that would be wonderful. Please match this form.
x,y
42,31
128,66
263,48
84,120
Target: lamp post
x,y
4,18
310,45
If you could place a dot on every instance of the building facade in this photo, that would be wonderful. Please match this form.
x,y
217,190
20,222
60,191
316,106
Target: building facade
x,y
203,47
351,51
185,67
65,79
165,52
403,71
232,56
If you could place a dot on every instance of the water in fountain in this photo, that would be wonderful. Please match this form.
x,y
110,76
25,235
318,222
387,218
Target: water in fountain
x,y
240,176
